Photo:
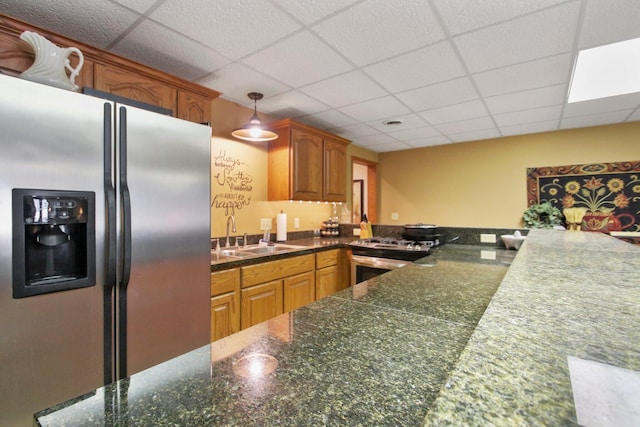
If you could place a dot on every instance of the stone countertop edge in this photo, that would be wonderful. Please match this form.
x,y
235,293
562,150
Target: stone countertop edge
x,y
566,294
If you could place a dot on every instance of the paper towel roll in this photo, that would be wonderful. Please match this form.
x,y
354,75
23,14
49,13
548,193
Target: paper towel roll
x,y
281,227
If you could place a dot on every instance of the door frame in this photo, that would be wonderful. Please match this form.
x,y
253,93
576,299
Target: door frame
x,y
371,189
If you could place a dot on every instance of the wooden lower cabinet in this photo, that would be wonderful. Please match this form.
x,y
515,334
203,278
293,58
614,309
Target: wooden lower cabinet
x,y
225,303
261,302
243,297
299,290
274,287
332,272
327,281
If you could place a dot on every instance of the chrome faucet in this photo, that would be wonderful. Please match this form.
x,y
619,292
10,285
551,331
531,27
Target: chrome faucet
x,y
233,229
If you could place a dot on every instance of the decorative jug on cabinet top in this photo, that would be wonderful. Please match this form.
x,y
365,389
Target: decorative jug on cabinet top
x,y
51,63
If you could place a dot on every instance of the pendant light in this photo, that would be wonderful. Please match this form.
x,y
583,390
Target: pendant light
x,y
253,131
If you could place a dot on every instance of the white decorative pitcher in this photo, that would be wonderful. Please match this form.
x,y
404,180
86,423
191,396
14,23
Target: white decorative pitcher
x,y
52,63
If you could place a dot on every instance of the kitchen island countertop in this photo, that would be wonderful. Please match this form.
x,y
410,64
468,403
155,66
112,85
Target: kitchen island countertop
x,y
405,344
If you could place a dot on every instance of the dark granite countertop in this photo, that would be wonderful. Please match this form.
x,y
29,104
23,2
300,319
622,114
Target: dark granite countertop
x,y
416,341
559,344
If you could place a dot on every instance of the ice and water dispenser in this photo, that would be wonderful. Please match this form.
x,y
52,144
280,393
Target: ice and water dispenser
x,y
53,241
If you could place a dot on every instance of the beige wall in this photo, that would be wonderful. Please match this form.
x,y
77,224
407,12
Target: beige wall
x,y
483,183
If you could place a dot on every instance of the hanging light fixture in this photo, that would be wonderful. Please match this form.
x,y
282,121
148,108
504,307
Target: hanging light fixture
x,y
253,131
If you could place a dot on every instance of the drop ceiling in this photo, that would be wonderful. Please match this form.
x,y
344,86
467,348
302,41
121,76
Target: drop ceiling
x,y
449,70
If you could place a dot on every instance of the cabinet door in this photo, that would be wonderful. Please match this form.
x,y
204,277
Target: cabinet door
x,y
260,303
335,171
307,165
327,281
134,86
194,108
299,290
344,269
225,315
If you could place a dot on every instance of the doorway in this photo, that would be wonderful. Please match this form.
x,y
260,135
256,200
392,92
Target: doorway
x,y
365,189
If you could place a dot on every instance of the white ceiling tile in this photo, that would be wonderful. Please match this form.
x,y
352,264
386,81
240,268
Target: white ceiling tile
x,y
290,104
236,80
171,52
607,21
439,95
529,128
465,15
311,11
417,133
528,75
409,121
350,88
428,142
455,113
299,60
528,116
373,140
236,28
97,25
391,146
422,67
385,107
140,6
595,120
327,119
307,58
546,33
635,116
602,105
527,99
354,131
475,135
479,123
363,32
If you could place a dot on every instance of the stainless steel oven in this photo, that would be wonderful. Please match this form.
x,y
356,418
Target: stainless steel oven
x,y
366,267
375,256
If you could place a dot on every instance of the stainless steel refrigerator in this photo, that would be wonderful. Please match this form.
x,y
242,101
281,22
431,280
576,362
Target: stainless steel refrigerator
x,y
104,243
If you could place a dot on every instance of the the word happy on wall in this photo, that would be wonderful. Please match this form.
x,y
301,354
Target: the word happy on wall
x,y
231,183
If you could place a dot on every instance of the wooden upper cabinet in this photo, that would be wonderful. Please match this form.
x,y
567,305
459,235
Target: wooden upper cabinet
x,y
193,107
110,73
139,88
306,158
335,171
306,164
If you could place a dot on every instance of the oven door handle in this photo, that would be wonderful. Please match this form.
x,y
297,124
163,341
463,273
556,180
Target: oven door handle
x,y
387,263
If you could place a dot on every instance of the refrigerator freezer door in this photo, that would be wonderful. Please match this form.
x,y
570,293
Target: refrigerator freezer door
x,y
51,345
166,300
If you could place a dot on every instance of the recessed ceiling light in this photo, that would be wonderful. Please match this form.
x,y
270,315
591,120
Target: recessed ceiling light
x,y
604,71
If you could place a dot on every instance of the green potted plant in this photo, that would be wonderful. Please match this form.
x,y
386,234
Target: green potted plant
x,y
542,215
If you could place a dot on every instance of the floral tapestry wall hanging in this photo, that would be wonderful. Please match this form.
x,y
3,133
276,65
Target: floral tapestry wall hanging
x,y
610,192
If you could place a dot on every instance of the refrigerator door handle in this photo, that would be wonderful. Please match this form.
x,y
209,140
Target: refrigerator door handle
x,y
111,246
126,245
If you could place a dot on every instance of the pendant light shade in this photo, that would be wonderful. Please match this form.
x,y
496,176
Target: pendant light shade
x,y
253,131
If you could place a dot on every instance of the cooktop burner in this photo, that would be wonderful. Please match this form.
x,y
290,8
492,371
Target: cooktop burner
x,y
389,247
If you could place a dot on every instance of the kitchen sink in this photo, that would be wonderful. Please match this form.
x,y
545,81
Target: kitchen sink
x,y
230,254
272,249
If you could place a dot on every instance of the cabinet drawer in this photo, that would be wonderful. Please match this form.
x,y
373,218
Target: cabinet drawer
x,y
273,270
327,258
224,281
